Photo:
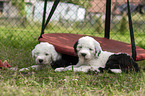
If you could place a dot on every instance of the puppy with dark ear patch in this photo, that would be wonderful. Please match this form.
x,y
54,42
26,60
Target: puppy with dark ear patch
x,y
92,58
90,55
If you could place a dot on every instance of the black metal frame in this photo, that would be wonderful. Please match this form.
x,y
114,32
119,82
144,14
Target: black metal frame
x,y
107,19
107,22
49,16
131,33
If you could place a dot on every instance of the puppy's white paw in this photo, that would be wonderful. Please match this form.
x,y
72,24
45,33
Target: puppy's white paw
x,y
116,70
59,69
14,68
24,69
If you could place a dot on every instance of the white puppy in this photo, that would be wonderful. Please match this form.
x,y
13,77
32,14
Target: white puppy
x,y
91,57
44,54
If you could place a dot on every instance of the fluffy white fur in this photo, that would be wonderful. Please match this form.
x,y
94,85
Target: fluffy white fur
x,y
44,54
91,56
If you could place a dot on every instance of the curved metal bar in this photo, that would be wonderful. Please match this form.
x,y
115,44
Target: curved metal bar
x,y
43,20
131,32
49,16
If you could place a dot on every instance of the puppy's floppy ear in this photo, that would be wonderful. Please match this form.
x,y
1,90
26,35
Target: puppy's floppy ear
x,y
34,51
54,54
75,47
98,48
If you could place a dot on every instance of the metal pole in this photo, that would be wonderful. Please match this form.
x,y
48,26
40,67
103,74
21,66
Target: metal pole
x,y
131,33
51,12
107,19
43,19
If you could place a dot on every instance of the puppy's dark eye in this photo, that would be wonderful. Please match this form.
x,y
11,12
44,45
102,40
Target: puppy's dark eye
x,y
80,47
46,54
90,49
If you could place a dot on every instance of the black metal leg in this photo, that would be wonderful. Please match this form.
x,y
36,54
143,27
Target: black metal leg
x,y
107,19
131,33
49,16
43,19
51,12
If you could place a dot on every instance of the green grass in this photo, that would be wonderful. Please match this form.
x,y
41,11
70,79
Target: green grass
x,y
15,47
50,83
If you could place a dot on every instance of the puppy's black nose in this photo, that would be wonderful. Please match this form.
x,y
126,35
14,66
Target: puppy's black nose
x,y
40,60
83,54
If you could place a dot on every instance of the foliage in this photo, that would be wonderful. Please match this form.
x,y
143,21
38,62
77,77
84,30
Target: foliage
x,y
20,4
123,24
83,3
98,23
